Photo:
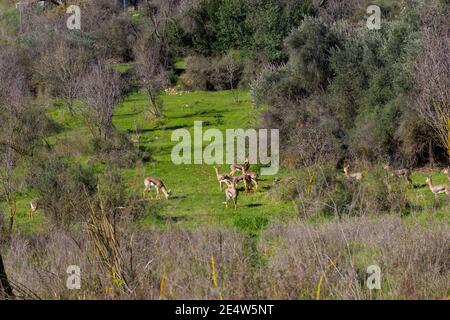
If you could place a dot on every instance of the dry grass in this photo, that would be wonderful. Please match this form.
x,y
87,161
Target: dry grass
x,y
288,261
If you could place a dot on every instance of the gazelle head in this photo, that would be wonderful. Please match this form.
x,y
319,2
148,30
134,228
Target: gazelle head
x,y
428,180
33,205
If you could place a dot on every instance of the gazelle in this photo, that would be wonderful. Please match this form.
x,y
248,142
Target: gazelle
x,y
158,185
400,173
240,167
250,178
447,172
221,177
437,189
354,175
33,207
231,193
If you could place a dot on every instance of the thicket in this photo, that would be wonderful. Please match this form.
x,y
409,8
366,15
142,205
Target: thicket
x,y
352,93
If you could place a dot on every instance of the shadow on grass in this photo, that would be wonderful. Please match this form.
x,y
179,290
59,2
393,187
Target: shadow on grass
x,y
141,131
254,205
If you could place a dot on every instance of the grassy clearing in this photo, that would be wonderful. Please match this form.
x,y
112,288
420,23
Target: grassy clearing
x,y
198,200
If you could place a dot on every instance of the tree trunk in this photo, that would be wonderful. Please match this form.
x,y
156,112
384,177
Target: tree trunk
x,y
5,287
431,154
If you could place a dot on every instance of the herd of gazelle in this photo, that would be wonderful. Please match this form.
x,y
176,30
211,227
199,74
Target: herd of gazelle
x,y
250,179
403,173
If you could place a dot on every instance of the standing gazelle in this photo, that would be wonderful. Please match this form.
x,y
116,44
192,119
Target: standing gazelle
x,y
447,172
33,207
221,177
437,189
158,185
353,175
239,167
231,193
250,178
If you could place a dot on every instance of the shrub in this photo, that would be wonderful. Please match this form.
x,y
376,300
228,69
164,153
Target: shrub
x,y
60,187
117,150
220,73
324,190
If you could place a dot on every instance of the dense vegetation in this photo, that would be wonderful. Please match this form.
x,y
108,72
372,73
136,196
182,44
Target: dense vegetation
x,y
86,115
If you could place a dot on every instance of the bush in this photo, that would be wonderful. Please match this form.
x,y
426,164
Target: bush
x,y
60,187
220,73
326,191
117,150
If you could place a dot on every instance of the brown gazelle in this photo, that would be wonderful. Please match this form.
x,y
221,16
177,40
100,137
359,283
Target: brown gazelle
x,y
221,177
437,189
240,167
250,178
400,173
33,207
352,175
447,172
158,185
231,193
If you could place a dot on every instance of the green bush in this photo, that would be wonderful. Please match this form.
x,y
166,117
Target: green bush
x,y
326,191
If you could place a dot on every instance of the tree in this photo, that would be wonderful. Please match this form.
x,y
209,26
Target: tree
x,y
432,76
151,69
101,91
5,287
61,69
13,135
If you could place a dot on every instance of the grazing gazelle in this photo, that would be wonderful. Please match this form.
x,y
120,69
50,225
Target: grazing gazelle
x,y
231,193
221,177
158,185
354,175
437,189
400,173
33,207
240,167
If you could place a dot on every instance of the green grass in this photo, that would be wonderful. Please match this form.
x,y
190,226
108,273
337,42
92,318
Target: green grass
x,y
197,198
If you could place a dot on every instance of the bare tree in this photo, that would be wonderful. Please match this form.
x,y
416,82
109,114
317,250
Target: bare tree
x,y
151,70
152,53
432,77
13,92
101,91
233,71
61,69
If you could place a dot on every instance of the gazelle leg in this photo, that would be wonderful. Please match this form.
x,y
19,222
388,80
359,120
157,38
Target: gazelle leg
x,y
235,204
157,194
246,186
